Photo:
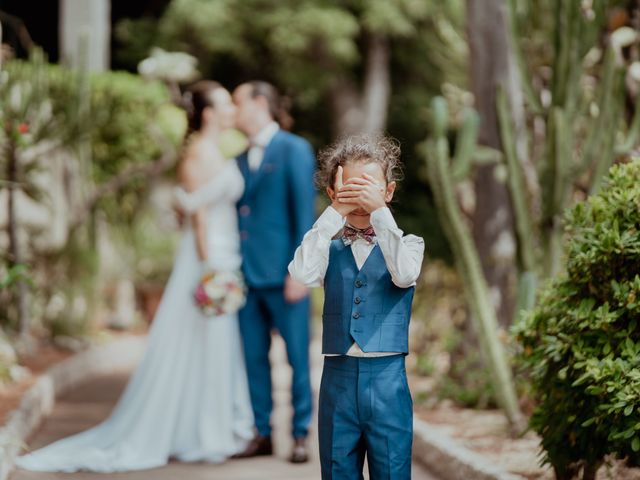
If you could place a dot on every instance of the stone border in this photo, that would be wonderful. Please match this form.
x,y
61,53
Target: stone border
x,y
440,454
38,401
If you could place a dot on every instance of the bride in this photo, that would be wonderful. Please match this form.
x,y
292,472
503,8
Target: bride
x,y
188,399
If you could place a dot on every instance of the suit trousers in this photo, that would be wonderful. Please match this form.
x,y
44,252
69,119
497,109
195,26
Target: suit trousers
x,y
365,409
265,310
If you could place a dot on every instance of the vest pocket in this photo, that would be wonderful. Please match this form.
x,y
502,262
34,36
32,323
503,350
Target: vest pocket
x,y
390,318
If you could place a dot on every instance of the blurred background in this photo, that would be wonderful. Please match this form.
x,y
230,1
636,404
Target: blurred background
x,y
508,112
94,85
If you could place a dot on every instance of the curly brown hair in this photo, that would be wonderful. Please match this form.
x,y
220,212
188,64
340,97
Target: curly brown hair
x,y
365,148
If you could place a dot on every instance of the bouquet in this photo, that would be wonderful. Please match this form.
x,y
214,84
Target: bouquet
x,y
220,293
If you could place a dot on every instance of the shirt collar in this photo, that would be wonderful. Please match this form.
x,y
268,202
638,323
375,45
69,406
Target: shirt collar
x,y
264,136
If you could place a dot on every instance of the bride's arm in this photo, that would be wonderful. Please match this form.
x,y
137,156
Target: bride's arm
x,y
189,177
199,223
189,202
206,194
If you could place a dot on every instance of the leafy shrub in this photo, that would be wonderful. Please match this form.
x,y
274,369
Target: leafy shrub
x,y
130,117
114,121
582,342
125,119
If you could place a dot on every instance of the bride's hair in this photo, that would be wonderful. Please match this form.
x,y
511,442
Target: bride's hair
x,y
195,99
279,105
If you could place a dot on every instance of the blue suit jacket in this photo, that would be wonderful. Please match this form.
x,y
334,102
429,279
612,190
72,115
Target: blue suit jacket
x,y
276,209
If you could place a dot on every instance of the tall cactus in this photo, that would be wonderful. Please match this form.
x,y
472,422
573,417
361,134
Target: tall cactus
x,y
580,131
442,181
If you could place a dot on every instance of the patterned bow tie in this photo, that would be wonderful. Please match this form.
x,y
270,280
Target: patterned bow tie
x,y
350,235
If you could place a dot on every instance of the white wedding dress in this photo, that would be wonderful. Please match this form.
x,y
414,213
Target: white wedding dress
x,y
189,397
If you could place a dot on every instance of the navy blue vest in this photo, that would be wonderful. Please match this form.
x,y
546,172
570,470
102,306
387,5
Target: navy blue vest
x,y
363,305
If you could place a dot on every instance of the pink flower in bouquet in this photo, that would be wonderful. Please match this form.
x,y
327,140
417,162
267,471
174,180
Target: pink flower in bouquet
x,y
220,293
201,295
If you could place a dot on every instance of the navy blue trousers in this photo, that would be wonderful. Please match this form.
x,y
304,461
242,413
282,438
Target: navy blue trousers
x,y
365,409
266,310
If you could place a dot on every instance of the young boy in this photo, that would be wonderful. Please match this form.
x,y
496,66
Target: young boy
x,y
369,272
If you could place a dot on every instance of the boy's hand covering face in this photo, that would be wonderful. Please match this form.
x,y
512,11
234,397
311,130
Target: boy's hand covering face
x,y
369,194
343,208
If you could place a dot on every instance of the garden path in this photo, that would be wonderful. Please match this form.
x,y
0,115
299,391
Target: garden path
x,y
90,402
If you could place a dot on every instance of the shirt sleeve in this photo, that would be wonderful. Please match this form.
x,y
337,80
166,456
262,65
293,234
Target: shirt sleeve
x,y
402,254
311,258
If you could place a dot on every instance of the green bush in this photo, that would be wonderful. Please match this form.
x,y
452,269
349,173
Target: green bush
x,y
582,342
108,123
126,119
129,117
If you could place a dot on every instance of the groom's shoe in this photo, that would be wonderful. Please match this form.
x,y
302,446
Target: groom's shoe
x,y
258,446
300,453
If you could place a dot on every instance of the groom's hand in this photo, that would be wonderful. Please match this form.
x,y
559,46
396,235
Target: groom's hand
x,y
294,291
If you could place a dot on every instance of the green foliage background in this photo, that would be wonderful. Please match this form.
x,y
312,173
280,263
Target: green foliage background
x,y
132,121
104,124
305,46
582,342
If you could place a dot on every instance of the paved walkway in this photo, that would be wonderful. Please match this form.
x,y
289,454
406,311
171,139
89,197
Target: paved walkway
x,y
91,402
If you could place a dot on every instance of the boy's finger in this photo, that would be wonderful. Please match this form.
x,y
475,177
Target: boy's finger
x,y
358,181
373,180
351,186
348,195
339,177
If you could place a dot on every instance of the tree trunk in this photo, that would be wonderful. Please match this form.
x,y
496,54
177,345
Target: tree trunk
x,y
366,110
347,108
590,471
15,253
493,66
377,85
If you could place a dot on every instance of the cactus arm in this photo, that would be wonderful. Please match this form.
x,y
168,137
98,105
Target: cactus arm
x,y
599,128
465,145
526,296
562,44
517,187
631,138
525,77
468,265
487,156
557,178
605,159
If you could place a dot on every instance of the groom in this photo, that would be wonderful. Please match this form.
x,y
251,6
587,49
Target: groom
x,y
275,212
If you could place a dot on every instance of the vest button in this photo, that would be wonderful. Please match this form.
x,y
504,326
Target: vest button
x,y
358,283
356,315
357,300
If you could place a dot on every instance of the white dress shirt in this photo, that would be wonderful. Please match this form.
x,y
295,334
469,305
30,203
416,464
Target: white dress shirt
x,y
402,254
259,142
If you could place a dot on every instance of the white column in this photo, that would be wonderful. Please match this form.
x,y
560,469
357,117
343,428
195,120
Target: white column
x,y
85,26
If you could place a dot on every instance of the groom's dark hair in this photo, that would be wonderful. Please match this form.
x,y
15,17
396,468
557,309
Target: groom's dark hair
x,y
278,106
